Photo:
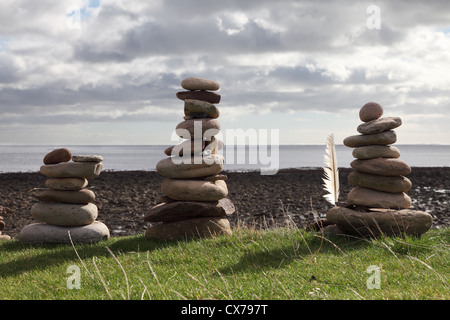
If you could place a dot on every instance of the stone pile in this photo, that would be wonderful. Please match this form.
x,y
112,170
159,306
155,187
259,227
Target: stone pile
x,y
3,211
194,202
66,205
378,203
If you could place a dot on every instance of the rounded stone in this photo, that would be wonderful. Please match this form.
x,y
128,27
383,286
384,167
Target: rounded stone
x,y
379,125
83,196
375,223
198,129
370,111
46,233
193,83
66,184
192,228
186,147
62,214
383,138
87,170
195,108
88,158
380,183
57,156
190,167
201,95
376,199
375,151
382,166
194,190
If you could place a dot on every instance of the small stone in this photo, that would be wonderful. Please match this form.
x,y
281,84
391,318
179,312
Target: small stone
x,y
382,167
198,129
376,222
57,156
200,109
376,199
194,190
200,84
193,167
186,147
192,228
201,95
370,111
379,125
61,214
383,138
380,183
46,233
182,210
87,170
88,158
66,184
83,196
371,152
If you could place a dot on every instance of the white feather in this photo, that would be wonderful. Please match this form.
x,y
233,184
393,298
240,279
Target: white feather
x,y
331,172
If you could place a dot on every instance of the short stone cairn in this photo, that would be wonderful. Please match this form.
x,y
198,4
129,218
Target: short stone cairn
x,y
66,209
3,211
194,202
378,204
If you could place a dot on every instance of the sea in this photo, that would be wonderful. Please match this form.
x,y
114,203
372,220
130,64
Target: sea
x,y
28,158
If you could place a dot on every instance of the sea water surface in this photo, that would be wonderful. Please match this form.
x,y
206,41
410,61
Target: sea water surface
x,y
28,158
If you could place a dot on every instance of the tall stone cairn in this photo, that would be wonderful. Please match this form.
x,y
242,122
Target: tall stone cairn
x,y
194,202
378,203
66,211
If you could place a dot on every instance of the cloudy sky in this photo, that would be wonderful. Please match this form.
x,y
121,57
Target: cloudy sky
x,y
107,71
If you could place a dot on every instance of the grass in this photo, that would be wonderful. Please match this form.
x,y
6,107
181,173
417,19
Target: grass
x,y
284,263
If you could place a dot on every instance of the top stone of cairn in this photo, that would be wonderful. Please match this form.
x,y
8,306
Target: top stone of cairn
x,y
370,111
200,84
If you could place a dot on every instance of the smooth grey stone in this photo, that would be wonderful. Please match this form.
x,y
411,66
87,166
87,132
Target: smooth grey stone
x,y
62,214
383,138
87,170
379,125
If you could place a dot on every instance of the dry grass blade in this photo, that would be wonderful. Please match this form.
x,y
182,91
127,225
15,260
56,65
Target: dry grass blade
x,y
123,270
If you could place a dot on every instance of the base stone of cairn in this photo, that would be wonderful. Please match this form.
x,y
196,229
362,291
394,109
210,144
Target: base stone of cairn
x,y
378,204
194,203
3,211
66,211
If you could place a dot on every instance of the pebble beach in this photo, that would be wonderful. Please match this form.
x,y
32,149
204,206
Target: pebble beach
x,y
291,197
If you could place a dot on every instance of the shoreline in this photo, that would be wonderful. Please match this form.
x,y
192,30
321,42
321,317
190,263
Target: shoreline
x,y
292,196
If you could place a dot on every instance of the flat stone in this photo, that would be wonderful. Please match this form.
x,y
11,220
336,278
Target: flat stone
x,y
183,210
87,158
374,223
379,125
187,229
194,167
198,129
186,147
62,214
371,152
66,184
383,138
87,170
380,183
46,233
197,108
194,190
200,84
376,199
370,111
57,156
382,166
83,196
201,95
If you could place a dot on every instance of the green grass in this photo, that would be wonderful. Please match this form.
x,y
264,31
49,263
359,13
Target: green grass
x,y
285,263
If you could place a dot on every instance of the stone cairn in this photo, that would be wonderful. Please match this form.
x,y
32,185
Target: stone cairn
x,y
378,204
3,211
66,206
194,202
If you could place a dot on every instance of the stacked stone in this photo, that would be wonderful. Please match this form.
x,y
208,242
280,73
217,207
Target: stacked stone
x,y
66,206
378,202
3,210
194,202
